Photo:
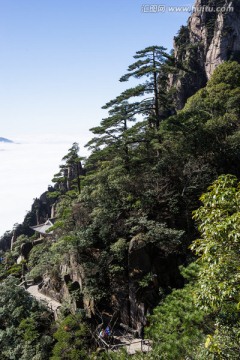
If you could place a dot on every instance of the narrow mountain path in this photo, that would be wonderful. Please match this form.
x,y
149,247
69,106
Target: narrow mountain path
x,y
51,304
133,345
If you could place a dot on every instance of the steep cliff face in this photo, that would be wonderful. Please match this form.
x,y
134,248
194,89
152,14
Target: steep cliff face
x,y
66,285
210,37
134,293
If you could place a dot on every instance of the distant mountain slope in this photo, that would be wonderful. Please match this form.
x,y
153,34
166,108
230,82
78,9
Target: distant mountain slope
x,y
2,139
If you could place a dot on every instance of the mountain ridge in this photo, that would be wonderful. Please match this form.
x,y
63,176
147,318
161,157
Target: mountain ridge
x,y
5,140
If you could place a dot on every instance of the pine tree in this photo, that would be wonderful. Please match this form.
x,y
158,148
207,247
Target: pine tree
x,y
151,64
69,176
113,131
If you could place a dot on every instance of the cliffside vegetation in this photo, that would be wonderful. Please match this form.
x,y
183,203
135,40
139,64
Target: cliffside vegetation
x,y
124,221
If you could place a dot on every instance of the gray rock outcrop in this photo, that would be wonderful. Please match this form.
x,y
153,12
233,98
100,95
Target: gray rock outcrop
x,y
209,38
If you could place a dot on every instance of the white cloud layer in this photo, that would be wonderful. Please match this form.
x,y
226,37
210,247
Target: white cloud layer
x,y
27,167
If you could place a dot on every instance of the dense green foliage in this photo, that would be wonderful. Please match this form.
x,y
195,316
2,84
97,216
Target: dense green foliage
x,y
202,320
24,324
136,195
73,339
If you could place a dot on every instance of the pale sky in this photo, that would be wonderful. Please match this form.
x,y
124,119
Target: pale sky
x,y
60,62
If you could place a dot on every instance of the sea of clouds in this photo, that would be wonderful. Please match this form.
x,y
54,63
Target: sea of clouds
x,y
26,169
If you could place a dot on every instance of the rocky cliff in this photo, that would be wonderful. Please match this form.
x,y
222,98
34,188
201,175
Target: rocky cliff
x,y
131,299
210,37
